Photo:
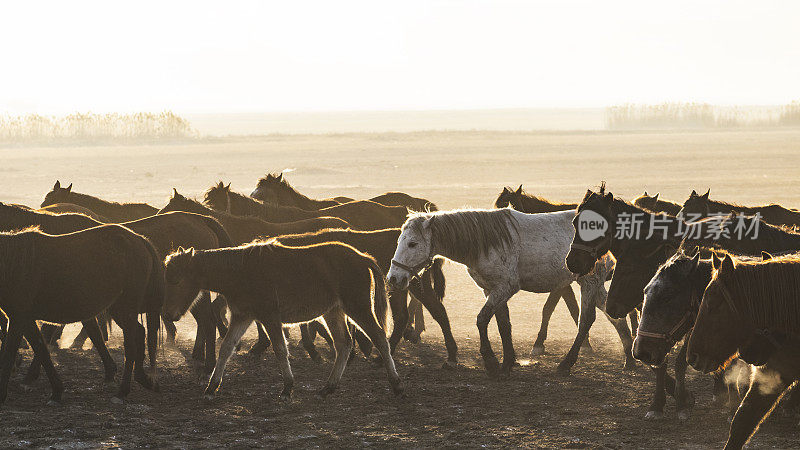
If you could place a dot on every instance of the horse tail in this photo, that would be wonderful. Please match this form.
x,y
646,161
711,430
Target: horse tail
x,y
223,238
439,283
380,303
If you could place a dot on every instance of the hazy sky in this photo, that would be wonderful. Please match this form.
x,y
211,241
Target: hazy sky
x,y
227,56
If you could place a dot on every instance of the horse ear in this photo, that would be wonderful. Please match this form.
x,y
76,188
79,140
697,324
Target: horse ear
x,y
766,256
175,193
696,260
716,261
705,196
190,251
220,185
609,197
228,187
69,188
506,190
727,263
57,185
426,224
670,249
280,177
693,194
645,194
655,197
588,194
180,249
519,190
696,251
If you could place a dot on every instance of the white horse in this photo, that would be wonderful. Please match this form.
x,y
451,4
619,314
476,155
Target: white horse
x,y
505,251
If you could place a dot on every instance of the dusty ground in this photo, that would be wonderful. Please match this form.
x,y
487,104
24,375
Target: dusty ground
x,y
599,405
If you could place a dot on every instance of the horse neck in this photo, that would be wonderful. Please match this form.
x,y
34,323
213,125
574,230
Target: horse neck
x,y
217,269
701,278
301,200
620,245
537,205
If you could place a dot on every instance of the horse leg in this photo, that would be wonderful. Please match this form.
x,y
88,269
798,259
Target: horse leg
x,y
416,323
755,407
365,319
126,321
263,340
634,318
11,342
34,337
153,324
625,335
204,314
503,319
172,331
139,374
683,398
238,325
80,339
572,305
587,318
218,306
493,300
398,302
656,409
342,343
315,327
547,312
34,370
307,340
435,307
95,334
198,350
275,331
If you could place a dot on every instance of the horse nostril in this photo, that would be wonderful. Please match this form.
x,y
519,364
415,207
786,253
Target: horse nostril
x,y
393,279
692,358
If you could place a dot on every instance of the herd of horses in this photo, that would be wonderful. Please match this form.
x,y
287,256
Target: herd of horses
x,y
337,266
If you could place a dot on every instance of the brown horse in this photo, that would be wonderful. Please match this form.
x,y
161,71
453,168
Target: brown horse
x,y
279,285
62,208
657,205
743,298
360,214
273,188
522,201
244,229
165,232
72,278
428,288
701,206
115,212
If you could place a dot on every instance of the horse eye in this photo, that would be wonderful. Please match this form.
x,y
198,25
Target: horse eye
x,y
412,244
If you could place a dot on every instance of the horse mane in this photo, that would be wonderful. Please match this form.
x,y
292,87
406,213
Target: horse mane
x,y
468,233
541,200
766,291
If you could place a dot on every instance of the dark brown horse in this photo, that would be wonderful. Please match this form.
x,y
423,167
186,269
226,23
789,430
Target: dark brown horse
x,y
244,229
742,298
428,288
360,214
657,205
279,285
701,206
115,212
165,232
72,278
273,188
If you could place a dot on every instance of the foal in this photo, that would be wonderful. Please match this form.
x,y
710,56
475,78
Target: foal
x,y
278,285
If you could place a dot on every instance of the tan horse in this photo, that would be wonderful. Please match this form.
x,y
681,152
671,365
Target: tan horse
x,y
72,278
279,285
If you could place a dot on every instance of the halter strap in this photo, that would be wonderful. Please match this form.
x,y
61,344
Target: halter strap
x,y
414,270
585,248
670,336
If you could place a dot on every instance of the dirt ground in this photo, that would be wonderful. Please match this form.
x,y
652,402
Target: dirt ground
x,y
598,406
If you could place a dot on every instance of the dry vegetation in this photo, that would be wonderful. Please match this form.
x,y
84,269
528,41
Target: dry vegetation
x,y
93,128
699,115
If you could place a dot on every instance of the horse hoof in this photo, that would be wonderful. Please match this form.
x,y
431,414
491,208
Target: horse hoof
x,y
26,387
208,397
327,390
630,364
683,415
117,401
587,348
450,365
537,351
653,415
398,390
